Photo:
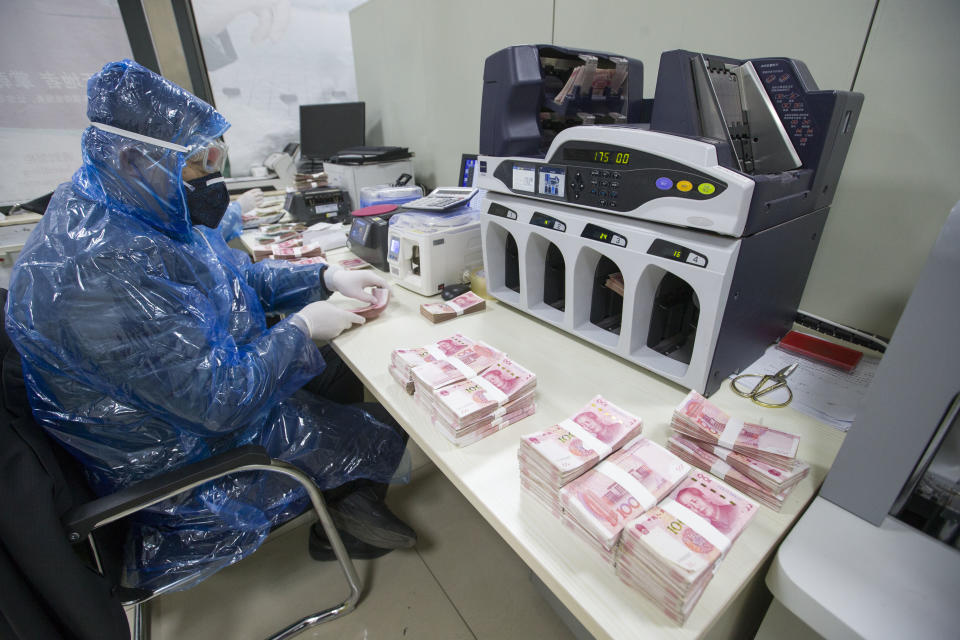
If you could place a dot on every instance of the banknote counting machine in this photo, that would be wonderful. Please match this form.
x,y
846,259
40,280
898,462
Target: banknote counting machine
x,y
684,244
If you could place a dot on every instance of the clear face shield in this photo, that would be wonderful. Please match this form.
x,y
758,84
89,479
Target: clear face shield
x,y
206,194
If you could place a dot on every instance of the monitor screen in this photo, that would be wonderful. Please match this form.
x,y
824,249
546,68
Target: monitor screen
x,y
328,128
468,165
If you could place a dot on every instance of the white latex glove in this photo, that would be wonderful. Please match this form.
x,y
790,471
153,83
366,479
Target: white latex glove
x,y
250,200
353,283
325,321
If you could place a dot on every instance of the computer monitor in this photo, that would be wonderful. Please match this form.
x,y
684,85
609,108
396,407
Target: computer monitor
x,y
468,166
328,128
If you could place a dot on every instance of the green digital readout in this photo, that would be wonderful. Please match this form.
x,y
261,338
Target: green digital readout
x,y
598,156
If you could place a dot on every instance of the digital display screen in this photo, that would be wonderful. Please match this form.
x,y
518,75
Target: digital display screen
x,y
598,156
394,251
357,230
524,178
552,181
600,234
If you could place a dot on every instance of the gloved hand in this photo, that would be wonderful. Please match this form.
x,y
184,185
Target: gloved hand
x,y
250,200
325,321
353,283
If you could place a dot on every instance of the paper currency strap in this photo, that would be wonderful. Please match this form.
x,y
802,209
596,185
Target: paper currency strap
x,y
495,394
720,468
461,366
435,352
633,486
588,439
698,523
730,432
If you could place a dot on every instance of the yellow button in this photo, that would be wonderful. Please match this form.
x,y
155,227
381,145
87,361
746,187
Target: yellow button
x,y
684,185
706,188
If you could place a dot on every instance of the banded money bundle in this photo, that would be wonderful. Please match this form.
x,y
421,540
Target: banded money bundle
x,y
762,482
671,552
476,406
701,420
466,303
403,360
620,488
689,451
456,367
555,456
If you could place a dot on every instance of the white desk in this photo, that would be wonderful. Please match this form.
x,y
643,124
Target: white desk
x,y
569,373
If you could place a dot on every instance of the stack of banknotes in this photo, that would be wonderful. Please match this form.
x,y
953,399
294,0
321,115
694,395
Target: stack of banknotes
x,y
671,552
630,482
466,303
473,408
403,360
737,451
553,457
765,484
469,388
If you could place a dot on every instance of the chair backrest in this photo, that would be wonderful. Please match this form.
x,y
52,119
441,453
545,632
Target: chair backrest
x,y
48,591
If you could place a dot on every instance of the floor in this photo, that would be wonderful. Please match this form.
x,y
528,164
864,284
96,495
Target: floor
x,y
461,581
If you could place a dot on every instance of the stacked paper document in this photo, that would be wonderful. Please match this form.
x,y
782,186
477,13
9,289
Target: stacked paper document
x,y
628,483
671,552
551,458
701,420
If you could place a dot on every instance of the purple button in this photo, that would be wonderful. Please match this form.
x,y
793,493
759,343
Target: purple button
x,y
664,184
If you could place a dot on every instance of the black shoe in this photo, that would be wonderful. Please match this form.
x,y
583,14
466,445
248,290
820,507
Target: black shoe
x,y
322,551
365,516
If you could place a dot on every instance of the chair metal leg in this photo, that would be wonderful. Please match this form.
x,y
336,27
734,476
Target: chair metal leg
x,y
316,499
343,558
141,621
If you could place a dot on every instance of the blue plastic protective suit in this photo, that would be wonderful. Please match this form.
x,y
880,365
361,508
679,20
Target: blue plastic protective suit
x,y
232,224
145,346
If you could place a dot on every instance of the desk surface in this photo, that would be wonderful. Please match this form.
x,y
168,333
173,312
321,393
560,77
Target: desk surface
x,y
569,373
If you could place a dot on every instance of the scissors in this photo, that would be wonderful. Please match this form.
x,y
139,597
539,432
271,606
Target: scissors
x,y
767,384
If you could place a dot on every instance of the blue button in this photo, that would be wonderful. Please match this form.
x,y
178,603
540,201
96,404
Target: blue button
x,y
664,184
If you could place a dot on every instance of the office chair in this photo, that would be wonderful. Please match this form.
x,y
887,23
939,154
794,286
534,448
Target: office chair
x,y
23,437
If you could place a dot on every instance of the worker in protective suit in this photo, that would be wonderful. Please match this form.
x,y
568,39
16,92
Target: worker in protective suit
x,y
145,347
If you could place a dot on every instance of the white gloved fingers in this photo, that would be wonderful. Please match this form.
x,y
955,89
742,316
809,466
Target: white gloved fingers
x,y
370,279
250,200
353,284
325,321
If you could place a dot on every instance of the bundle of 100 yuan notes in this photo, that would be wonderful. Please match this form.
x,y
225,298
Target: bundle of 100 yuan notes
x,y
469,388
760,461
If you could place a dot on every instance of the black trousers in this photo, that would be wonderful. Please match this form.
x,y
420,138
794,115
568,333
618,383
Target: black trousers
x,y
340,384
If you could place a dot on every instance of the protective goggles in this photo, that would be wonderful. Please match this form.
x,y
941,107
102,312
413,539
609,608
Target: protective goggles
x,y
211,156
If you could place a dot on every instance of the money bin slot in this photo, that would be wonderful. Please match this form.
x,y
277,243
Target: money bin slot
x,y
500,258
673,320
554,278
606,304
511,264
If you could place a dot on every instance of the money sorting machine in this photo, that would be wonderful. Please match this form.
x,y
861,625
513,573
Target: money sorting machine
x,y
679,235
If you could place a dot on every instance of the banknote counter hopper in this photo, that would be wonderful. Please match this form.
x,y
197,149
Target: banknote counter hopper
x,y
681,243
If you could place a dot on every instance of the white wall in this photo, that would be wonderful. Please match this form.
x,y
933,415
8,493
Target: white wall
x,y
420,68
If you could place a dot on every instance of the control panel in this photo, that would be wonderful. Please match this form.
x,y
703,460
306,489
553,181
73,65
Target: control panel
x,y
607,177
